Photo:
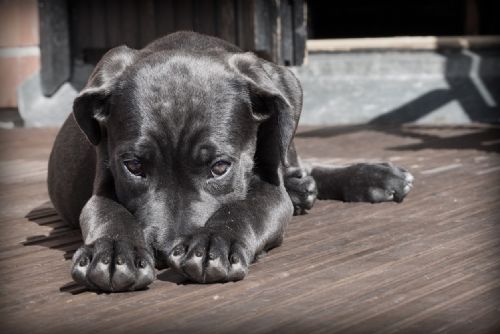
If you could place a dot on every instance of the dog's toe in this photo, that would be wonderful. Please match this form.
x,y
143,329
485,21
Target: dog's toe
x,y
216,270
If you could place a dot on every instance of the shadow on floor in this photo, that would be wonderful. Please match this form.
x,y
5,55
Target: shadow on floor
x,y
485,139
171,276
61,237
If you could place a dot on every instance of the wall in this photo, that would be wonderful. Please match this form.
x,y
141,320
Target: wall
x,y
19,52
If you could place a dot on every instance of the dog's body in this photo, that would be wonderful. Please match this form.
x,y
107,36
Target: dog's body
x,y
181,155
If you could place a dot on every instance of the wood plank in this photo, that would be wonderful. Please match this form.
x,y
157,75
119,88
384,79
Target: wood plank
x,y
146,13
129,23
183,15
97,25
245,13
113,23
164,17
226,23
204,16
430,264
80,37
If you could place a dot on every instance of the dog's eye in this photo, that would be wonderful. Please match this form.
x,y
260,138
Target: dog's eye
x,y
134,166
220,168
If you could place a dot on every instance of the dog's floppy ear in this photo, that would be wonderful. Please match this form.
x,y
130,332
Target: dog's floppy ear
x,y
90,106
276,98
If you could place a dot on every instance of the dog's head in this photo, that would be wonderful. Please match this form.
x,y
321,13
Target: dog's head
x,y
179,134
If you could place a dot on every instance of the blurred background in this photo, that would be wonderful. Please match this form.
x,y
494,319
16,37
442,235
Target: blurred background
x,y
360,61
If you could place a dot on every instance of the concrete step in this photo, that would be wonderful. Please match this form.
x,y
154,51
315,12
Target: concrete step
x,y
455,86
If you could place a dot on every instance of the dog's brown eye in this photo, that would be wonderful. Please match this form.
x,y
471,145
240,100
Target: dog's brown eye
x,y
220,168
134,166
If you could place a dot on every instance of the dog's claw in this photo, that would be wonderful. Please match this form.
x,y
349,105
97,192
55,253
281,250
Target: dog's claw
x,y
83,262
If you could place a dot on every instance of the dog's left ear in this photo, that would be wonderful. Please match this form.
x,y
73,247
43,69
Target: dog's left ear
x,y
276,98
90,107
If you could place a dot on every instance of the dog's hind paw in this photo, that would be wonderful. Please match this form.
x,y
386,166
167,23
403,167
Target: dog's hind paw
x,y
377,182
112,266
301,188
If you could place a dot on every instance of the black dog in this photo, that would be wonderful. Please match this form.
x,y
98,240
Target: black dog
x,y
181,155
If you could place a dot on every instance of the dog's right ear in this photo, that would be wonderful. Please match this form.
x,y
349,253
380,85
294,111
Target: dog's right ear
x,y
90,108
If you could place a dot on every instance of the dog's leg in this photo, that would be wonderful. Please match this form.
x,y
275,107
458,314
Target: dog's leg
x,y
114,256
223,249
363,182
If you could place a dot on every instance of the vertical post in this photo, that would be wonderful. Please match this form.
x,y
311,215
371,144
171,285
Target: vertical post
x,y
267,30
54,45
287,32
279,30
299,31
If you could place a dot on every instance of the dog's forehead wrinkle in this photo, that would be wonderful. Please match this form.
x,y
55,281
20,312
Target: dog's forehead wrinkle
x,y
182,103
182,144
176,127
178,71
141,148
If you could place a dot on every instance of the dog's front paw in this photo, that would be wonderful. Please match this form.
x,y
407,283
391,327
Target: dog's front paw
x,y
208,257
113,265
378,182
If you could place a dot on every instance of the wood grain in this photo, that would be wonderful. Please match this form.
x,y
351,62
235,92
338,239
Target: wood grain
x,y
428,265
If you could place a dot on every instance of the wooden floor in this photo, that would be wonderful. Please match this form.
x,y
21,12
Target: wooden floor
x,y
430,264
